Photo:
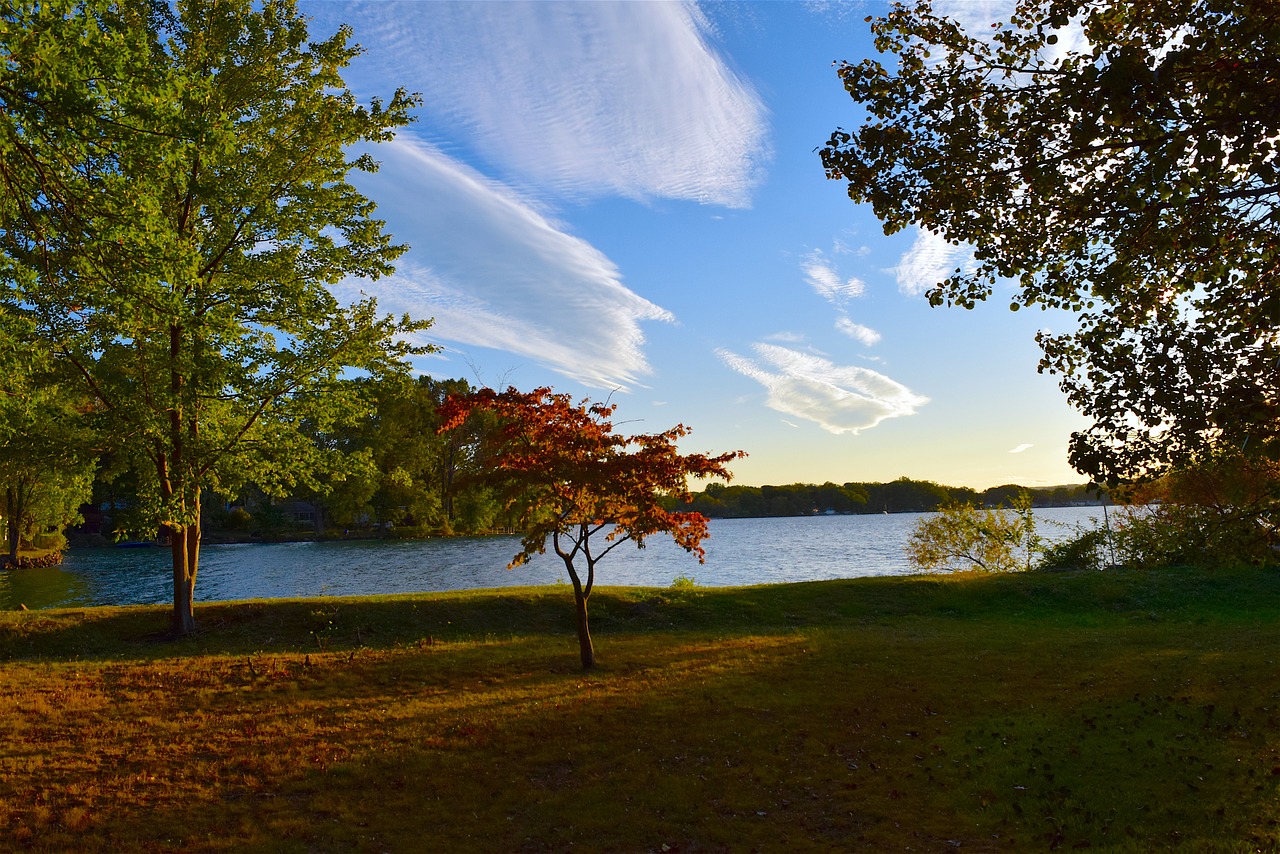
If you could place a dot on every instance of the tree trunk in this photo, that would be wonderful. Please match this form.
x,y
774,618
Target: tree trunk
x,y
584,633
580,604
15,534
183,621
185,542
16,504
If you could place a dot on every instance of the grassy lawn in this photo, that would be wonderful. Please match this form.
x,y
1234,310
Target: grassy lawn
x,y
1121,710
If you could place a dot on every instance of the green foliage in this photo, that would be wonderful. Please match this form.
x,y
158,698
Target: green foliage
x,y
176,206
409,473
1131,178
1086,548
1155,536
239,519
732,501
683,582
965,536
46,455
54,541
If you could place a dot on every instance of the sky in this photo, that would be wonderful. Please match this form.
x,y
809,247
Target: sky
x,y
625,201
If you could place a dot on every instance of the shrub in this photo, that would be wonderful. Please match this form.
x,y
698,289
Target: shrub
x,y
1218,513
1087,549
965,536
238,519
54,541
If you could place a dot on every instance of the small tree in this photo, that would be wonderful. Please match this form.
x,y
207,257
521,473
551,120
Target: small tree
x,y
566,475
965,536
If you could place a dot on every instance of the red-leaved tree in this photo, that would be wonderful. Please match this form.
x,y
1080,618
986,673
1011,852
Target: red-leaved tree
x,y
567,476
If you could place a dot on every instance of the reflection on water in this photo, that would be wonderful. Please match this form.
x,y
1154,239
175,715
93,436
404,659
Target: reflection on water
x,y
43,587
740,551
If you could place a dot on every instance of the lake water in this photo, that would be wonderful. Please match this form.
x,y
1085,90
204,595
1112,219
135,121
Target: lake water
x,y
739,552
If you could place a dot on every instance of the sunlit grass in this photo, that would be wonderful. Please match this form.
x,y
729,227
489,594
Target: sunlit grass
x,y
1123,710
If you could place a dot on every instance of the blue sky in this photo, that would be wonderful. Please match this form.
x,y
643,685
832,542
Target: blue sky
x,y
625,198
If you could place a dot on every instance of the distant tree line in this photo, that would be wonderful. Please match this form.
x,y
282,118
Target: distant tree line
x,y
903,495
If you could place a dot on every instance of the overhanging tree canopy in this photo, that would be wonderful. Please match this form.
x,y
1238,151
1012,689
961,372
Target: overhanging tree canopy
x,y
1133,180
175,206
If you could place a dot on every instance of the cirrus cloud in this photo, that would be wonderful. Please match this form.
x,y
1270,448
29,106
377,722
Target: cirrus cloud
x,y
827,282
858,332
579,99
494,272
929,261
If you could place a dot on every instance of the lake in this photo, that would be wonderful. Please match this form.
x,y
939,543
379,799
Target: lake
x,y
739,552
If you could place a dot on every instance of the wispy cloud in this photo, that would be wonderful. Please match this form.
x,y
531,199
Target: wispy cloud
x,y
837,398
579,99
929,261
787,337
1023,447
496,273
827,282
857,331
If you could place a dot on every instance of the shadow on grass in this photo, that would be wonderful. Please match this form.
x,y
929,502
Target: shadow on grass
x,y
882,737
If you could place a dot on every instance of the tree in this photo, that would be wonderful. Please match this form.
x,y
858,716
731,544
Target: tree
x,y
1131,178
46,462
176,206
47,456
412,465
569,477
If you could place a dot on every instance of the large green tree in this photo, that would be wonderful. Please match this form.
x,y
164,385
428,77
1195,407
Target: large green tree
x,y
177,206
1119,159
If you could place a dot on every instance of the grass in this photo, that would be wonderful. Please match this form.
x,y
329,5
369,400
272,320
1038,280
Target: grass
x,y
1121,711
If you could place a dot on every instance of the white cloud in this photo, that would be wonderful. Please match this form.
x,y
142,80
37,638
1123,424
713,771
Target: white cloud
x,y
494,272
838,399
579,99
1023,447
929,261
857,331
827,282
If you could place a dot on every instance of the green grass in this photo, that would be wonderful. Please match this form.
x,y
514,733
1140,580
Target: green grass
x,y
1120,711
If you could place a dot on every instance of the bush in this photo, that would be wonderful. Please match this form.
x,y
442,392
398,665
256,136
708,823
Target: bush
x,y
54,541
238,519
1086,549
1221,512
1191,535
965,536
